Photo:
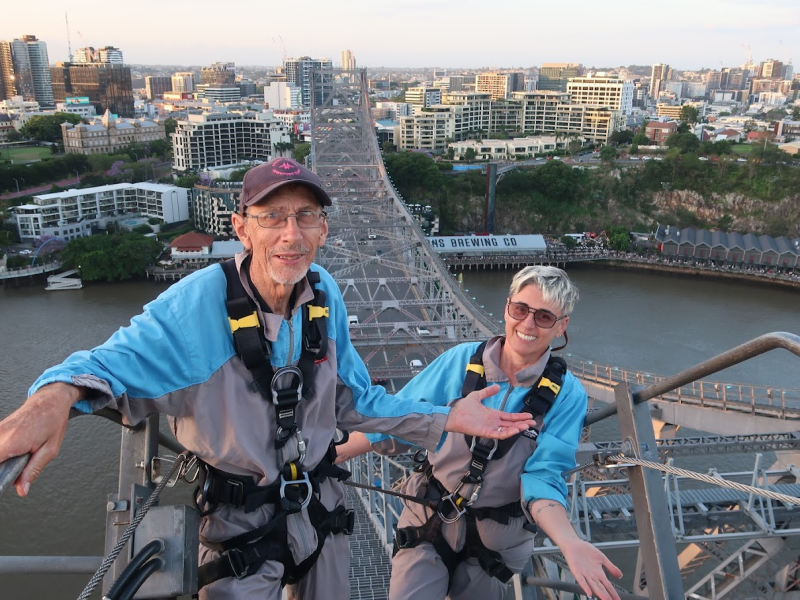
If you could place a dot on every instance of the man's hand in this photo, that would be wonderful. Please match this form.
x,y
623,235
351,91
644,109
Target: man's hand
x,y
37,428
469,416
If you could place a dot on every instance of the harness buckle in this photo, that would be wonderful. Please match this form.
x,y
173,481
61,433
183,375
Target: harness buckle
x,y
236,492
453,499
237,563
347,522
406,537
291,504
482,448
280,374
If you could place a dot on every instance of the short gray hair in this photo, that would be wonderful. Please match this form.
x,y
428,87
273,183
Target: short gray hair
x,y
554,284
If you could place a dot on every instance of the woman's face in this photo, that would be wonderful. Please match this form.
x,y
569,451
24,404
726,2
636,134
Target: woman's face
x,y
526,340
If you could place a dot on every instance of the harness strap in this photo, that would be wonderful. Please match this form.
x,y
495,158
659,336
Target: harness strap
x,y
244,555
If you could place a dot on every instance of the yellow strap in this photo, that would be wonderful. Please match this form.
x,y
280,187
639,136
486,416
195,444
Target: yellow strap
x,y
315,312
293,468
248,321
477,368
545,382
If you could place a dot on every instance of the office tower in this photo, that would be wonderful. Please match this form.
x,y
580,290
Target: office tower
x,y
348,61
156,85
183,83
299,71
106,54
658,76
554,76
462,83
108,86
787,71
25,70
218,74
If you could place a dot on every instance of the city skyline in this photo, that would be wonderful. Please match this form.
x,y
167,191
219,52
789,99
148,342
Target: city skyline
x,y
686,35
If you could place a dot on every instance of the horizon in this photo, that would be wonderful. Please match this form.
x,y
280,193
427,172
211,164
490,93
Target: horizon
x,y
688,36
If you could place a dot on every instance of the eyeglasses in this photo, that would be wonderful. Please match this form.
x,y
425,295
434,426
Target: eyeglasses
x,y
275,219
542,317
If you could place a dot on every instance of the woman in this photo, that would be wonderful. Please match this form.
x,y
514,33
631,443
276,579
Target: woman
x,y
473,527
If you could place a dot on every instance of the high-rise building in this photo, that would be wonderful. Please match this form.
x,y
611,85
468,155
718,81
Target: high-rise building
x,y
108,86
659,74
218,74
554,76
106,54
787,71
770,69
156,85
25,71
602,91
299,71
183,83
500,85
348,61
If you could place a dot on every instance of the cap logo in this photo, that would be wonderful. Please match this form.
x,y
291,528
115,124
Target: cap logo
x,y
286,169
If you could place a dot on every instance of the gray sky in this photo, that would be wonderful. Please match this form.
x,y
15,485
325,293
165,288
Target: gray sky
x,y
687,34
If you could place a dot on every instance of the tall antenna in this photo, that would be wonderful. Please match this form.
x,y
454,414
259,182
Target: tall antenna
x,y
69,43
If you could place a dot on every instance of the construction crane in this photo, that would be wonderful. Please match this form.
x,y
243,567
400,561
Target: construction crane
x,y
69,42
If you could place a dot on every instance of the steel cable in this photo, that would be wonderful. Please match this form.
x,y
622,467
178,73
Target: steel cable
x,y
112,556
748,489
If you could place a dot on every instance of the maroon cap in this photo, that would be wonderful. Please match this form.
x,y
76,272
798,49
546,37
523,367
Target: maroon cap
x,y
259,182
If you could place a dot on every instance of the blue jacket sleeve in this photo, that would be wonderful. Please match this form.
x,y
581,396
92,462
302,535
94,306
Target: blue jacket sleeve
x,y
556,446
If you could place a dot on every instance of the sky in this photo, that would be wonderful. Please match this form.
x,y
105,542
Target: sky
x,y
686,34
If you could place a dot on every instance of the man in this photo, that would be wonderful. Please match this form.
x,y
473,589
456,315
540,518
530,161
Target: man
x,y
254,365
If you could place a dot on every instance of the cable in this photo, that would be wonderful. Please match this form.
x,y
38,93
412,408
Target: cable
x,y
734,485
112,556
145,554
139,577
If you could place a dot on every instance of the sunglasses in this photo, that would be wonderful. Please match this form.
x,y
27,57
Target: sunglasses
x,y
542,317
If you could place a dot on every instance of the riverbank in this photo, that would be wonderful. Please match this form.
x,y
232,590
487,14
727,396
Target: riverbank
x,y
690,271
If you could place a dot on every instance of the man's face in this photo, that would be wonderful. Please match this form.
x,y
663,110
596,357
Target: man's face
x,y
283,253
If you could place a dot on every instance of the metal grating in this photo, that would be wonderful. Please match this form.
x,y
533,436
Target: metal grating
x,y
370,567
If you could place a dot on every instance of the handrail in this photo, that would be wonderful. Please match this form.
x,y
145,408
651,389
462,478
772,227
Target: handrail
x,y
734,356
11,468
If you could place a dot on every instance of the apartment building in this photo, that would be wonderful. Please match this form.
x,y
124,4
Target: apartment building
x,y
183,83
213,206
72,214
106,54
218,74
508,149
464,115
658,132
218,139
348,61
500,86
671,111
108,134
602,91
423,96
280,95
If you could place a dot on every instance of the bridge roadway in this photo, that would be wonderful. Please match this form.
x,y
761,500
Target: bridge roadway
x,y
399,288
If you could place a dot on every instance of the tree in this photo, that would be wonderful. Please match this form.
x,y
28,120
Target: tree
x,y
387,147
689,114
640,139
14,136
569,242
160,148
619,239
47,128
111,257
684,142
622,137
796,113
608,154
170,125
301,151
470,154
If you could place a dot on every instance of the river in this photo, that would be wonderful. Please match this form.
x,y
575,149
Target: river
x,y
656,323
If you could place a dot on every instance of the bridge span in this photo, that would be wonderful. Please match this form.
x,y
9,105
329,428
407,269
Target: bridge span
x,y
407,309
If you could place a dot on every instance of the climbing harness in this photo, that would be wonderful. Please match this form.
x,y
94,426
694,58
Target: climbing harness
x,y
458,503
296,489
